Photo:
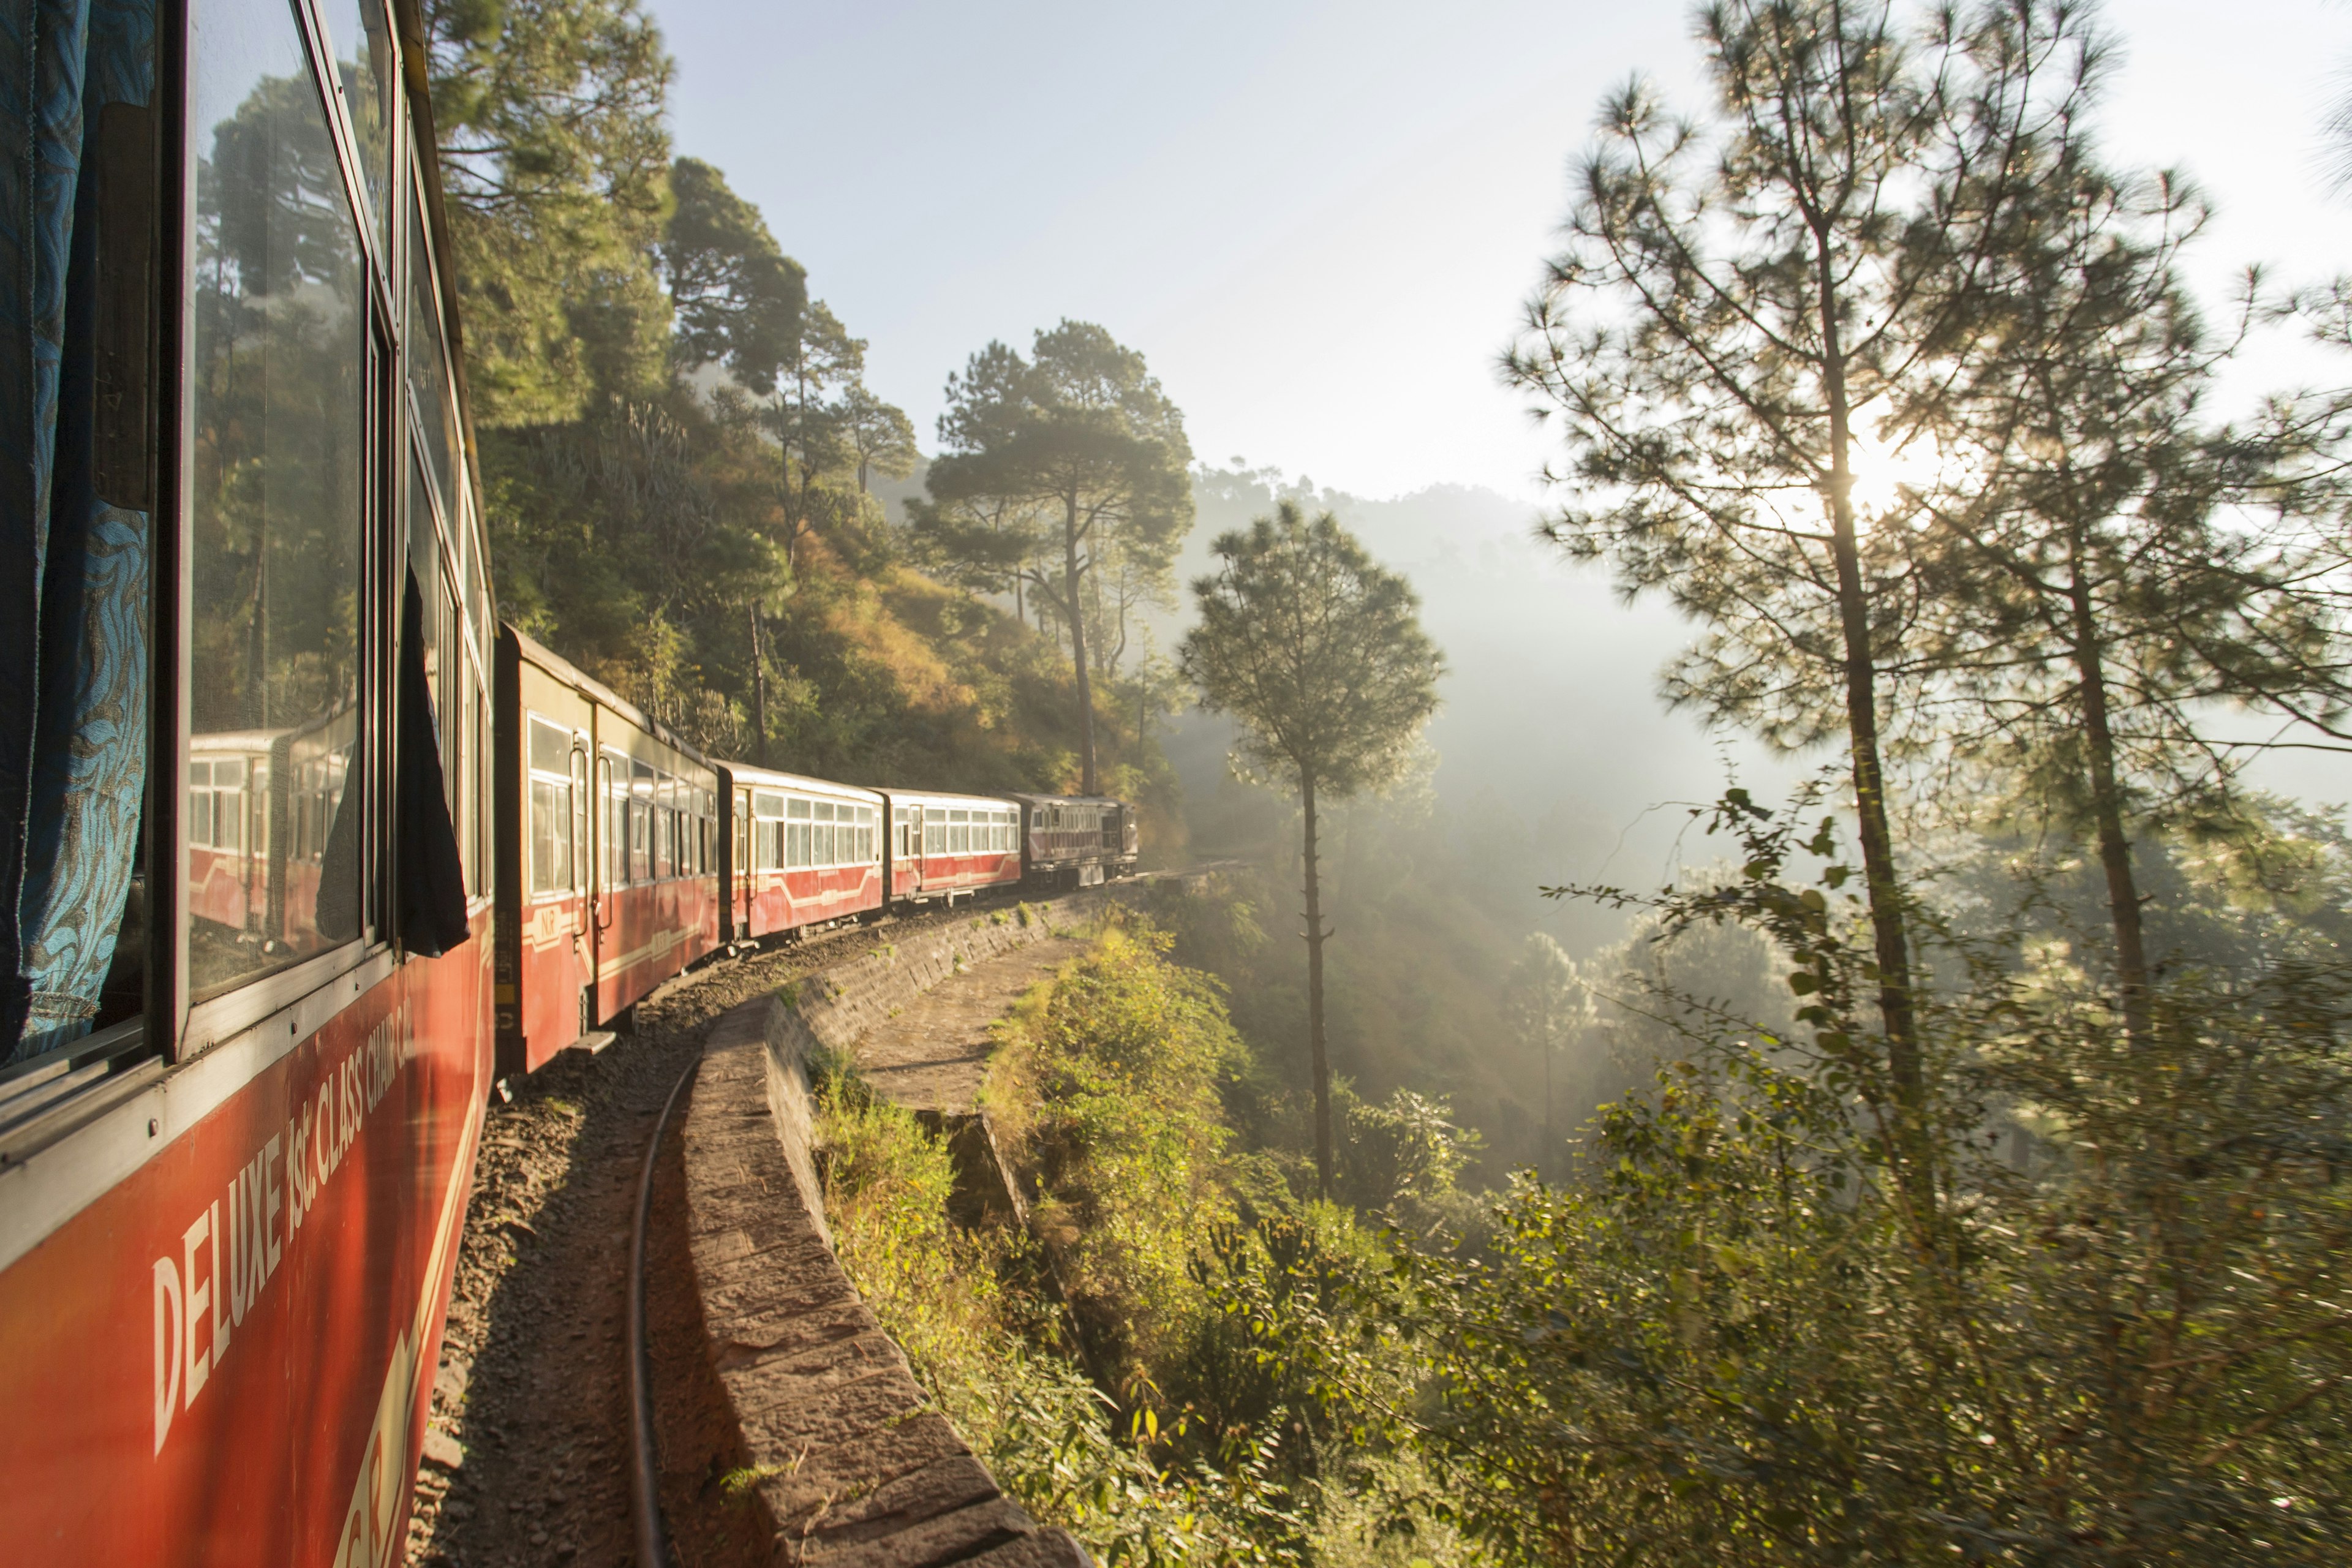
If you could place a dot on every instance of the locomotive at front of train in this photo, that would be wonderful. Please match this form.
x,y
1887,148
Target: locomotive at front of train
x,y
246,626
1076,840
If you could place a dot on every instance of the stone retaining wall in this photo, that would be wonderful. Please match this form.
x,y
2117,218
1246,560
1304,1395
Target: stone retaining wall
x,y
851,1467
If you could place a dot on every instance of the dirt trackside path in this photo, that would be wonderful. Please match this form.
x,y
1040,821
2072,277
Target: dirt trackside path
x,y
933,1056
527,1450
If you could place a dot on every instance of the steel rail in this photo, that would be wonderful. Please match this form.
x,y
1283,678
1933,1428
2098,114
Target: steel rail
x,y
644,1469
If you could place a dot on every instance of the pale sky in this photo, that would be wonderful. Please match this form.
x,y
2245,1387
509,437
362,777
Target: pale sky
x,y
1318,221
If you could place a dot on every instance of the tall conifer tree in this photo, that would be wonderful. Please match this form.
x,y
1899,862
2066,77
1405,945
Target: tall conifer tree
x,y
1740,309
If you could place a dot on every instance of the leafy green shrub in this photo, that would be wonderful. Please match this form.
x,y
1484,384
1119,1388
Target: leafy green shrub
x,y
1105,1083
982,1349
1788,1322
1403,1151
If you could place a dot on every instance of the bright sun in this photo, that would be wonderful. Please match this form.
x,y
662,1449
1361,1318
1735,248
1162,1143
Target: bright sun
x,y
1881,473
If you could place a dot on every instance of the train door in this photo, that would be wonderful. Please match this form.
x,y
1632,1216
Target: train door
x,y
601,860
738,900
902,848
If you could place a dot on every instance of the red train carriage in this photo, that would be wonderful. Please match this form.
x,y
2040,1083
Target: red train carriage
x,y
608,854
800,852
947,847
245,990
1076,841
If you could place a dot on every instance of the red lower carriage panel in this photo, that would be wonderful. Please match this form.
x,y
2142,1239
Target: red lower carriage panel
x,y
230,1351
787,900
557,963
962,872
650,933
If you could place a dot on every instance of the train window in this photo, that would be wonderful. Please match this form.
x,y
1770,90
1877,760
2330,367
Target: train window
x,y
958,834
659,848
821,854
276,388
768,808
551,807
665,814
935,830
360,39
579,851
641,824
793,831
477,783
674,795
428,363
198,827
616,820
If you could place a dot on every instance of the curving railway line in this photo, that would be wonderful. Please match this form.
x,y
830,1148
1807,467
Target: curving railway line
x,y
309,859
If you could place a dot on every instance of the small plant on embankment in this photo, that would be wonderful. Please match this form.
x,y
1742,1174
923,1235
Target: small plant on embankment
x,y
1246,1389
1104,1092
984,1346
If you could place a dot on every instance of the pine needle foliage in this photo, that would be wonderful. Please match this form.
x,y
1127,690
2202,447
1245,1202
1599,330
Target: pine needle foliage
x,y
1317,650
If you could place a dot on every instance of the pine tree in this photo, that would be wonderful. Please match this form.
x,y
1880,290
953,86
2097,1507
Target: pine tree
x,y
1081,437
1736,313
1319,651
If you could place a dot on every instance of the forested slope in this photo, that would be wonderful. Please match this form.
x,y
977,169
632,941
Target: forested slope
x,y
678,452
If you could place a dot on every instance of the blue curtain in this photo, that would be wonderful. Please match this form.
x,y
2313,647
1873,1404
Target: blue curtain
x,y
73,568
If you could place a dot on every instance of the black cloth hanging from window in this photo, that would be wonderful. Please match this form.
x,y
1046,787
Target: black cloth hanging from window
x,y
432,887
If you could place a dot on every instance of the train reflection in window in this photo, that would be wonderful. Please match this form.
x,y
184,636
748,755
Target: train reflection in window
x,y
279,350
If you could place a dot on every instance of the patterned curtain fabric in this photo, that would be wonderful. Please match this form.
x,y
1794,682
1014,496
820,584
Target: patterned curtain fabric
x,y
73,566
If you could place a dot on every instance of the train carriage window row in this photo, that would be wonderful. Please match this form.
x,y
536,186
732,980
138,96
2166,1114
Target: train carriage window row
x,y
792,833
951,830
657,826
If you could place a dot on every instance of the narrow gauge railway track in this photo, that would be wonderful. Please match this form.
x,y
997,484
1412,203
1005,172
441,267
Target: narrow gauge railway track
x,y
532,1454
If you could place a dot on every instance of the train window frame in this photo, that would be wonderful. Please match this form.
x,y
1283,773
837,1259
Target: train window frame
x,y
582,825
799,841
447,468
378,213
769,852
638,803
538,772
614,795
178,1025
